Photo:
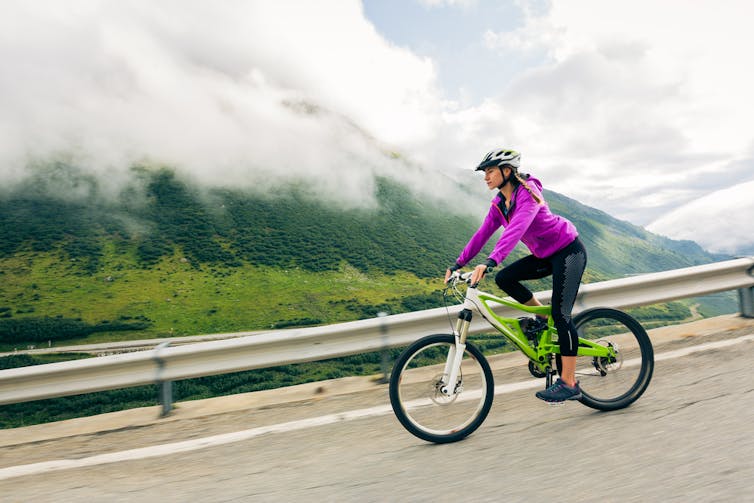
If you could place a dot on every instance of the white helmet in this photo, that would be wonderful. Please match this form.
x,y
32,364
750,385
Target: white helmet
x,y
500,157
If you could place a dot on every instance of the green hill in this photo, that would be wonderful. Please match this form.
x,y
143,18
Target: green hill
x,y
163,257
619,248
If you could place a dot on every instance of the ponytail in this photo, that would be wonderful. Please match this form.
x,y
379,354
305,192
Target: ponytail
x,y
522,180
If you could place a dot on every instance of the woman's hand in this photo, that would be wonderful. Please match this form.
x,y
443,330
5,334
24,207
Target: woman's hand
x,y
478,273
450,271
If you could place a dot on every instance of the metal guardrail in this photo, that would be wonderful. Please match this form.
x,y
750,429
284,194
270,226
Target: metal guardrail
x,y
281,347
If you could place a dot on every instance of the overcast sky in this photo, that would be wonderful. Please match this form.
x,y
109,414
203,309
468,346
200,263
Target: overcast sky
x,y
642,109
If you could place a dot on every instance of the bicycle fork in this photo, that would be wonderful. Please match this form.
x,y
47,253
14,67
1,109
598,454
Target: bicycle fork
x,y
455,354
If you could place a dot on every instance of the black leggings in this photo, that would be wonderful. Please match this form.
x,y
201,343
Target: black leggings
x,y
566,266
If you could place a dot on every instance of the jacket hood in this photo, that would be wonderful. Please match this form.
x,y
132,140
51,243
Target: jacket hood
x,y
533,183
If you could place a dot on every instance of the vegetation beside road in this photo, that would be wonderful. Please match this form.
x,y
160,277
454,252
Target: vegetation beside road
x,y
162,257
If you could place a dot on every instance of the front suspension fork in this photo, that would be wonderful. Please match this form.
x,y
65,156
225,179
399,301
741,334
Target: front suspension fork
x,y
455,354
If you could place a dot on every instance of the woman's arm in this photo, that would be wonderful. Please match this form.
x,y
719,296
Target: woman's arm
x,y
523,216
491,223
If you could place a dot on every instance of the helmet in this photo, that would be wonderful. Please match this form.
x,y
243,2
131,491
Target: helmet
x,y
500,157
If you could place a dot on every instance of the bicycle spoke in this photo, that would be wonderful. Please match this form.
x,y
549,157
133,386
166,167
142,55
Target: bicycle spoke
x,y
420,404
615,382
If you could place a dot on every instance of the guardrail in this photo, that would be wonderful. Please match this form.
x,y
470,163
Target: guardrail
x,y
167,364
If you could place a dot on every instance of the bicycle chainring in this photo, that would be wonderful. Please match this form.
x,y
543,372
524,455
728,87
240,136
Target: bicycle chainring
x,y
535,370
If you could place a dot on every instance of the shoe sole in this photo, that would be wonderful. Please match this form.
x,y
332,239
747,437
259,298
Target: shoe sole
x,y
560,402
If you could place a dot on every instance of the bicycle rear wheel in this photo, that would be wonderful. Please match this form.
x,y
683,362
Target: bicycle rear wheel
x,y
615,383
419,404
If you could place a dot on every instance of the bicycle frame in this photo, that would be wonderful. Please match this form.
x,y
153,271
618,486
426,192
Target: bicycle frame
x,y
541,355
442,385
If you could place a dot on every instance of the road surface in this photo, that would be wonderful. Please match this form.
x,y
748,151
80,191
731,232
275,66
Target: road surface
x,y
688,439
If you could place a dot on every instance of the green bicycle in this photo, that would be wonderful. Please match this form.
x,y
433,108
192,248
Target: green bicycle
x,y
441,386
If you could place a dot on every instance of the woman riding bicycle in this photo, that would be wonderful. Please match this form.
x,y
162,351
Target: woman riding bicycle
x,y
556,250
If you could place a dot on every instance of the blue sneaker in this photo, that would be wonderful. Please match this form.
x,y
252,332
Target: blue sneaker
x,y
560,392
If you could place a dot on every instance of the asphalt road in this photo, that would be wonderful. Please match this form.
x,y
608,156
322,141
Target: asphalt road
x,y
689,438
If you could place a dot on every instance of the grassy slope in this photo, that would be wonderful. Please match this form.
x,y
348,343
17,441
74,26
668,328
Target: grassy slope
x,y
191,268
181,300
260,263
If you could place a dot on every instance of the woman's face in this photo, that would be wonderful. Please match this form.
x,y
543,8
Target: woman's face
x,y
493,177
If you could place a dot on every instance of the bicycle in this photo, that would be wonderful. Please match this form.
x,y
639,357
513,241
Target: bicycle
x,y
441,386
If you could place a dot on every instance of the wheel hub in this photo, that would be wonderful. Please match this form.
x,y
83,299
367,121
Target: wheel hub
x,y
438,396
605,365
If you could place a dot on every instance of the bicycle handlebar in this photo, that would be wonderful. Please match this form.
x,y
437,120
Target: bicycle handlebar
x,y
457,276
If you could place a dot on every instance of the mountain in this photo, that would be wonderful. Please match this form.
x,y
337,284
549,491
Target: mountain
x,y
165,257
616,247
701,220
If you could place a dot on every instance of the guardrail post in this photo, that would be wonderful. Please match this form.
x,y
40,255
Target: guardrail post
x,y
746,302
165,387
384,363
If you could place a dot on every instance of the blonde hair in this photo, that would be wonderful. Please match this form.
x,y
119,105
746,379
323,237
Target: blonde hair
x,y
522,181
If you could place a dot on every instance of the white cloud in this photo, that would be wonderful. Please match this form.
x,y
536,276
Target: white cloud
x,y
717,221
536,34
229,95
637,108
634,104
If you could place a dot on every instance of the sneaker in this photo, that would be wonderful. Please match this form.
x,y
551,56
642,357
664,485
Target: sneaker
x,y
560,392
532,327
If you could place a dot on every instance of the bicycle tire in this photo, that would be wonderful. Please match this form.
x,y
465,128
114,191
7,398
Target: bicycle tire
x,y
616,384
417,402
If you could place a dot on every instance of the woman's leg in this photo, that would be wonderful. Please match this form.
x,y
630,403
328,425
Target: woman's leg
x,y
530,267
568,267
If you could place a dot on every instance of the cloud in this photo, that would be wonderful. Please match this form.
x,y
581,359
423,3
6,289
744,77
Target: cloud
x,y
633,107
715,221
719,215
628,107
238,95
536,35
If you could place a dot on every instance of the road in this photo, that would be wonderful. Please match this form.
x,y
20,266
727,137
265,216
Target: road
x,y
687,439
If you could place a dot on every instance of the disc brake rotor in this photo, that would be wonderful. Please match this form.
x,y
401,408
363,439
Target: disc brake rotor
x,y
437,396
605,365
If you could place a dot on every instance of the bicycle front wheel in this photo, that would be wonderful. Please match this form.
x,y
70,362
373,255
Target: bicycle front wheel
x,y
417,399
616,382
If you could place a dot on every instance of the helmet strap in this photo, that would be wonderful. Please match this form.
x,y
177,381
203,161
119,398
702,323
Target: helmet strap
x,y
505,180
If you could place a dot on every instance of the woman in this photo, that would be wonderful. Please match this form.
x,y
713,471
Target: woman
x,y
555,247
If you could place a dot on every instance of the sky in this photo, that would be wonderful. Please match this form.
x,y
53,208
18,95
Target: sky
x,y
641,109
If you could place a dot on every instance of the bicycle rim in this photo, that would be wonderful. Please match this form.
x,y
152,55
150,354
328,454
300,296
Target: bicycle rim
x,y
609,384
418,402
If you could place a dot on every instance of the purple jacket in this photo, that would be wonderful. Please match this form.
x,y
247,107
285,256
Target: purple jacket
x,y
540,230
